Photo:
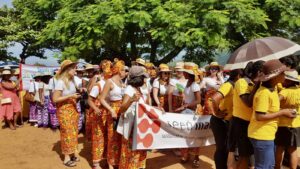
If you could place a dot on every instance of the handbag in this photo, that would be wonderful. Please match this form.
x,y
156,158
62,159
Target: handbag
x,y
29,97
6,101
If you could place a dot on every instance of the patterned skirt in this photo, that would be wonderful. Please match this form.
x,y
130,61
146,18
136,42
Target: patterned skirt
x,y
99,135
68,120
34,110
114,139
131,159
52,113
163,100
208,94
177,101
81,116
43,115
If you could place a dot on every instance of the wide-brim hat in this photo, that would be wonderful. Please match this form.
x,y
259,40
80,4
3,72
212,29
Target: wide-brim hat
x,y
89,67
6,72
37,75
136,71
149,65
17,71
271,69
213,64
190,68
164,68
292,75
140,61
179,65
66,64
6,68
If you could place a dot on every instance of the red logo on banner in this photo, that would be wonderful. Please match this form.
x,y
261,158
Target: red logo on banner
x,y
145,124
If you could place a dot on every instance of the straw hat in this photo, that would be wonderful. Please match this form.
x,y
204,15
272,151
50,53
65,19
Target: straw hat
x,y
179,65
6,72
149,65
292,75
190,68
89,66
140,61
271,69
17,71
213,64
6,68
164,68
65,64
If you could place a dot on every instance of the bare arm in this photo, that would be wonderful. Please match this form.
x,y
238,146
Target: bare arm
x,y
155,96
91,83
248,98
57,96
107,87
214,107
261,116
127,101
91,102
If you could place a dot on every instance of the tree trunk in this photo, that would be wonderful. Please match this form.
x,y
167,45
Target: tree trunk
x,y
170,56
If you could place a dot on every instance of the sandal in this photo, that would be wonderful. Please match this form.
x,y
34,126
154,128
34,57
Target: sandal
x,y
70,164
183,160
75,159
196,163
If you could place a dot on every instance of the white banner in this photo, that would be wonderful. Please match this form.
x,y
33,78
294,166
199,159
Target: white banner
x,y
29,71
154,129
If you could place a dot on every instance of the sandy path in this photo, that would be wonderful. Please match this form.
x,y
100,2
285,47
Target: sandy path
x,y
38,148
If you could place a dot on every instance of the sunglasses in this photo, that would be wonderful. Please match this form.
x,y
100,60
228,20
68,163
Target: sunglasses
x,y
166,73
214,68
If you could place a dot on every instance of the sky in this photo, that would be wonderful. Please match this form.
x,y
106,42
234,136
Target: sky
x,y
17,49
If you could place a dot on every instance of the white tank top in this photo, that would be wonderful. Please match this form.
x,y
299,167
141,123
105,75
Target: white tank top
x,y
116,93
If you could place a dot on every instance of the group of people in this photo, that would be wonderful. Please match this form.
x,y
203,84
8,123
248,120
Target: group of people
x,y
250,108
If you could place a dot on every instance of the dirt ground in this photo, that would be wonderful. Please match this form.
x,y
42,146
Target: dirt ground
x,y
37,148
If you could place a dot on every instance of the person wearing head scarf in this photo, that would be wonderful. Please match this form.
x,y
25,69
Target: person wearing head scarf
x,y
111,98
192,99
160,86
132,159
99,116
10,105
65,97
287,137
266,111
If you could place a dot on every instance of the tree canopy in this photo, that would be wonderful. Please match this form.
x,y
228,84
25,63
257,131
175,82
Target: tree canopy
x,y
157,30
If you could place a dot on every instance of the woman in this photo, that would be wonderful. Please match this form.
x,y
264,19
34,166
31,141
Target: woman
x,y
132,159
211,83
44,92
221,110
51,106
35,107
243,93
111,98
99,116
65,97
288,134
10,106
192,98
160,86
266,110
176,88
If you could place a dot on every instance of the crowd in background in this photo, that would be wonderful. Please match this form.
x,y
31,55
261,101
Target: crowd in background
x,y
250,108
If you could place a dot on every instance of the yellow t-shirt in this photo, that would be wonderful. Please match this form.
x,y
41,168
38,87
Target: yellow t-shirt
x,y
226,89
240,109
291,100
264,101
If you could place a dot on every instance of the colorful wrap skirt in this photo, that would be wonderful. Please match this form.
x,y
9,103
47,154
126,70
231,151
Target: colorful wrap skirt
x,y
163,100
81,116
99,134
52,113
34,110
43,114
131,159
209,93
114,139
68,120
177,101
